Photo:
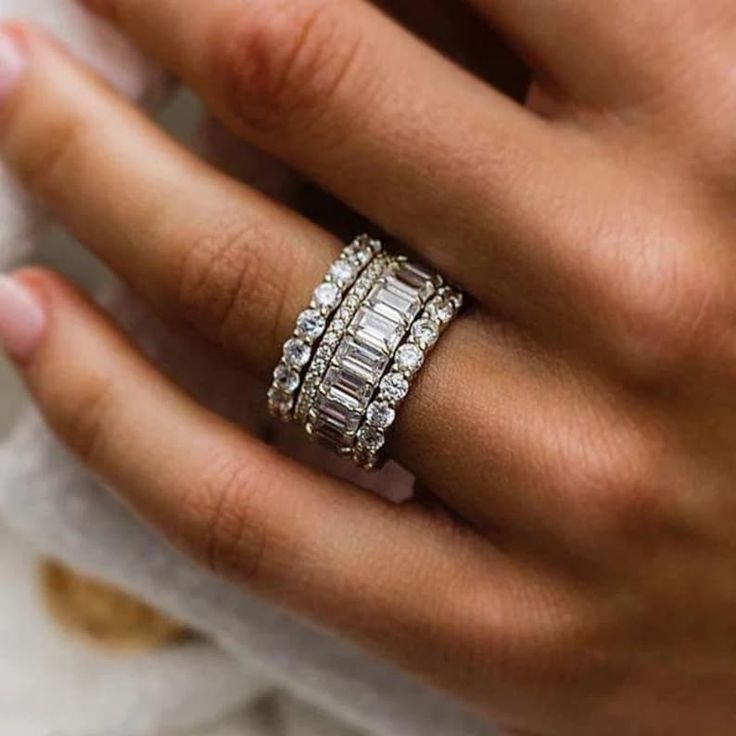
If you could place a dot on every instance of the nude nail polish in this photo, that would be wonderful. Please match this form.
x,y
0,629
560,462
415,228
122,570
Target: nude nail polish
x,y
12,63
22,319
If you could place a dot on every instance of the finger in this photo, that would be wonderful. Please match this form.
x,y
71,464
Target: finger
x,y
318,84
627,54
307,541
202,249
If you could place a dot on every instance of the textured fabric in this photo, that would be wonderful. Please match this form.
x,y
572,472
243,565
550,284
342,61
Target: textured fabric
x,y
56,505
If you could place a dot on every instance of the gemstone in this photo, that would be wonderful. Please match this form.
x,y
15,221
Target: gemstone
x,y
363,358
343,271
441,309
377,329
409,358
371,438
361,251
280,402
381,414
425,332
296,353
327,295
349,382
310,324
286,379
414,276
396,300
394,387
331,339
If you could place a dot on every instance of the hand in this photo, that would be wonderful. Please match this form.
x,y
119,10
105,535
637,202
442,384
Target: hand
x,y
577,425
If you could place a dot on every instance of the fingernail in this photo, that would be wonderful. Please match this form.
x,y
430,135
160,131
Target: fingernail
x,y
13,62
22,319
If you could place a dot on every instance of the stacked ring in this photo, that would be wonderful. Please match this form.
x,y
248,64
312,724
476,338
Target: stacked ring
x,y
365,335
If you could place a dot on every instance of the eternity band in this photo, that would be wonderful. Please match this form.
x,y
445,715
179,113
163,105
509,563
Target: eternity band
x,y
356,349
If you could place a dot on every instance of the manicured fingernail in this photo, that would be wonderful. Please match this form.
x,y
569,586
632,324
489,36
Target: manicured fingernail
x,y
13,62
22,319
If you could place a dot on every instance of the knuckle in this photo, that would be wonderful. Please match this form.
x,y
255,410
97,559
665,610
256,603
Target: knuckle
x,y
281,61
49,152
615,480
231,537
669,318
224,282
550,644
81,414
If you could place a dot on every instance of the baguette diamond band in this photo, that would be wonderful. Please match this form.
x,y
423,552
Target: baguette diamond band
x,y
350,362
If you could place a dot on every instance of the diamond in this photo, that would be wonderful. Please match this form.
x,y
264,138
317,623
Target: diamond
x,y
350,383
286,379
425,332
409,358
327,295
362,357
343,271
310,324
381,414
377,329
360,251
371,438
330,339
394,387
442,310
280,403
296,353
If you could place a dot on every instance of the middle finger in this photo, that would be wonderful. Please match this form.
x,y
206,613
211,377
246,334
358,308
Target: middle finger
x,y
379,118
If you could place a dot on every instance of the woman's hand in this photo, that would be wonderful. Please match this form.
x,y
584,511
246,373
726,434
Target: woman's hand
x,y
578,423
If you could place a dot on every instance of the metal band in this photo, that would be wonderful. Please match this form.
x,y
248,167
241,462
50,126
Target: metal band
x,y
312,323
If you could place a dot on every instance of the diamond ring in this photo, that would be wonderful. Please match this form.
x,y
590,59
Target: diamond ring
x,y
355,351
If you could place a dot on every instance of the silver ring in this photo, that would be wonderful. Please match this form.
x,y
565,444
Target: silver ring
x,y
358,347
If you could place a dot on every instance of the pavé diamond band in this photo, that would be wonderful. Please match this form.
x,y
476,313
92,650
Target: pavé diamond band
x,y
358,346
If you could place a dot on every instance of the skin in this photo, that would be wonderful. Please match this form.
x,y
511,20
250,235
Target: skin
x,y
574,571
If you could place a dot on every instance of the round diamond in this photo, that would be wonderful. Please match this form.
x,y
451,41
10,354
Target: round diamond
x,y
409,358
310,324
296,353
280,402
441,309
394,387
425,332
381,414
327,295
371,438
343,271
286,379
361,251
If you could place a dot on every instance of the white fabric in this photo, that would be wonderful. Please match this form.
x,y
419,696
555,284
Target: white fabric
x,y
54,503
